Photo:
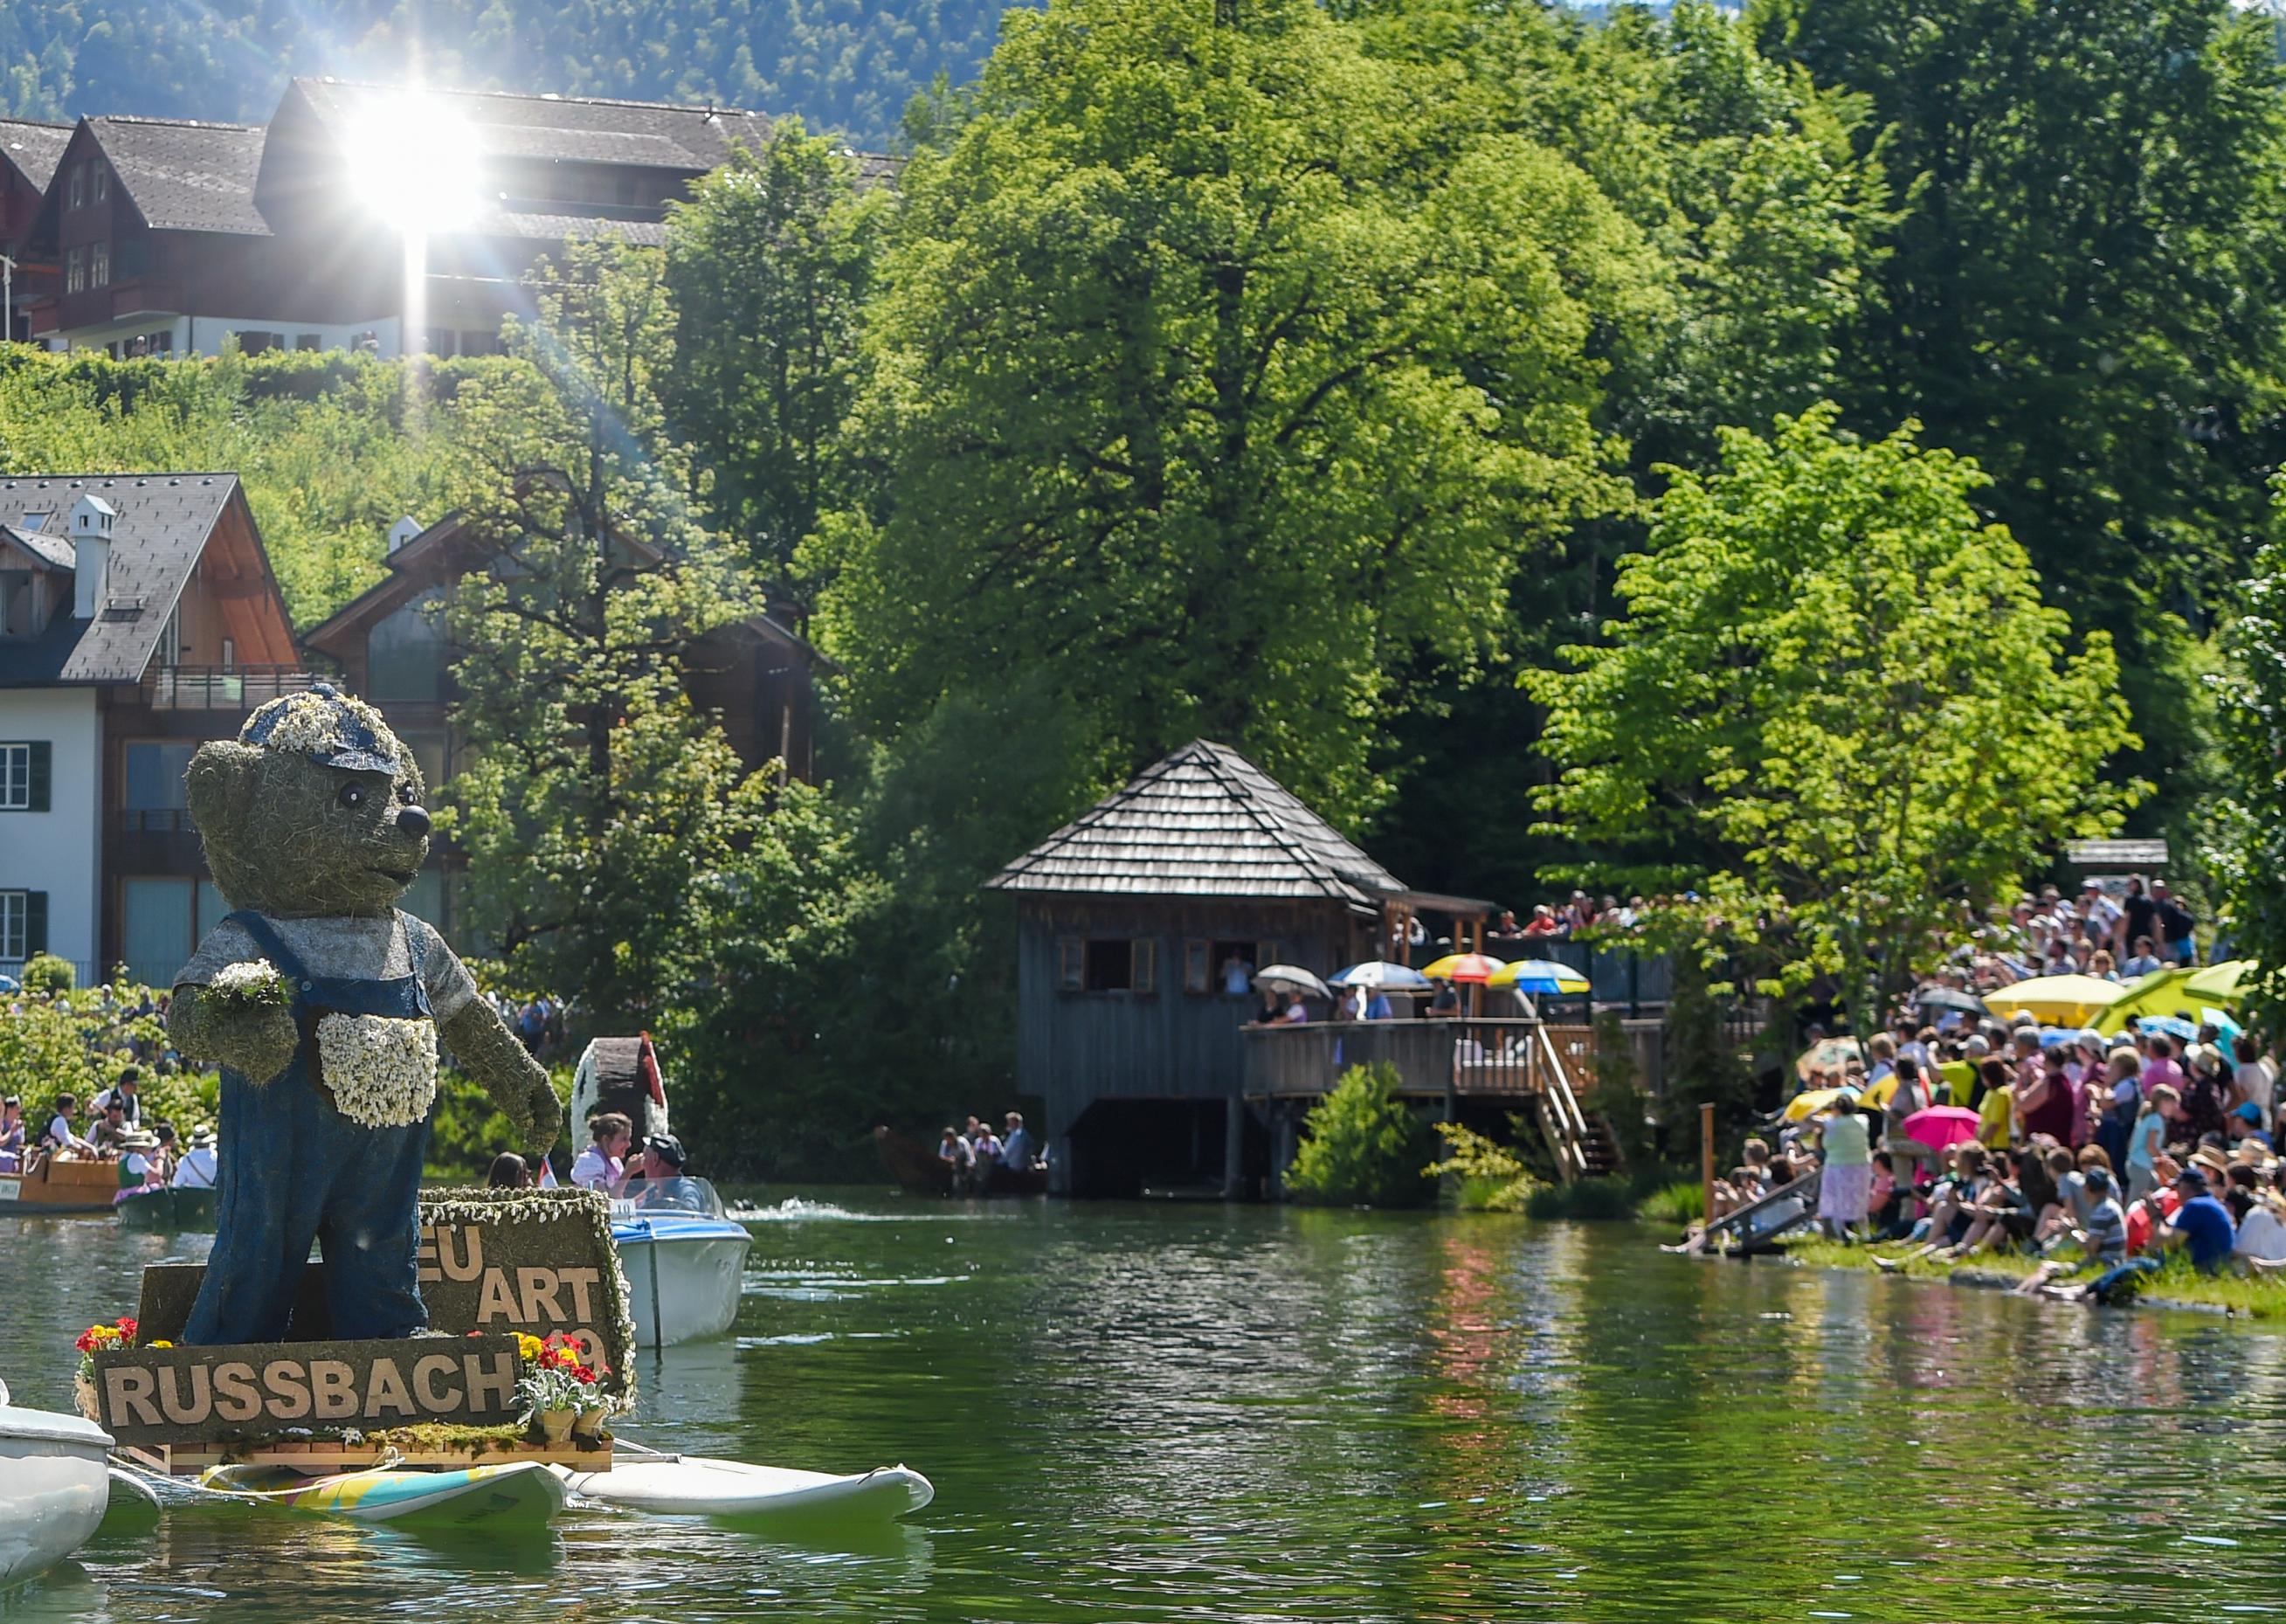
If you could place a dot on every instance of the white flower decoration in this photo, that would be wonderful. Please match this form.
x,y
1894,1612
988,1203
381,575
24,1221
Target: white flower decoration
x,y
383,1070
256,982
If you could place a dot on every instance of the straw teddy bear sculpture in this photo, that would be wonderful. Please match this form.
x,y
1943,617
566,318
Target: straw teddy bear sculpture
x,y
323,1003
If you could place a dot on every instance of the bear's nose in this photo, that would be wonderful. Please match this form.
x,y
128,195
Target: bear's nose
x,y
413,821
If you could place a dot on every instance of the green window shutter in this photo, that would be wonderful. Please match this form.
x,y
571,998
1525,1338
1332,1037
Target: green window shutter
x,y
35,919
43,774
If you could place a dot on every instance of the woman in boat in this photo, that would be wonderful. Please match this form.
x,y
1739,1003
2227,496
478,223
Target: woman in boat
x,y
11,1134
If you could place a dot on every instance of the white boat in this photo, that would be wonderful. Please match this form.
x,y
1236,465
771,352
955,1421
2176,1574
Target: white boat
x,y
55,1483
685,1261
697,1485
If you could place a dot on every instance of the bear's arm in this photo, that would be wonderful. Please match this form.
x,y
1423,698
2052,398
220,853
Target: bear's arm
x,y
256,1041
518,1084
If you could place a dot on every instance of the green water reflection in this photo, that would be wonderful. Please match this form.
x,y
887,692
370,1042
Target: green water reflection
x,y
1200,1413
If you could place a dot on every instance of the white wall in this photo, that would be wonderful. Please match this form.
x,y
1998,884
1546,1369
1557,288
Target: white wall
x,y
204,334
58,851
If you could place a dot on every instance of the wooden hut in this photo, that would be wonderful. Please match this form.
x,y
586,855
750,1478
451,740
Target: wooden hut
x,y
1140,926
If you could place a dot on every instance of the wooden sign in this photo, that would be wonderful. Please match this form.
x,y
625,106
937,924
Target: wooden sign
x,y
147,1396
537,1261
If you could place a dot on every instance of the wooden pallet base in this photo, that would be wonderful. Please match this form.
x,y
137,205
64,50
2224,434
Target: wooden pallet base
x,y
185,1460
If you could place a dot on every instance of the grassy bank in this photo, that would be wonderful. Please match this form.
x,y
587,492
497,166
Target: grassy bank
x,y
2258,1297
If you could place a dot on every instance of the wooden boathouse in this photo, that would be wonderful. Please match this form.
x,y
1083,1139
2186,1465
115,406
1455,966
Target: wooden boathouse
x,y
1140,925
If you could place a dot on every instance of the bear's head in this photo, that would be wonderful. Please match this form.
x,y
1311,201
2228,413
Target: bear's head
x,y
314,810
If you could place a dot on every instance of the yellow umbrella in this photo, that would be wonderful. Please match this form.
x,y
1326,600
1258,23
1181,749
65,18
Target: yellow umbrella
x,y
1879,1093
1464,968
2056,1000
2162,992
1816,1100
2224,983
1539,976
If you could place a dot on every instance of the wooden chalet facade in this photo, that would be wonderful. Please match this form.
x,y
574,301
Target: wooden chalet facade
x,y
391,646
159,236
1139,926
29,151
139,617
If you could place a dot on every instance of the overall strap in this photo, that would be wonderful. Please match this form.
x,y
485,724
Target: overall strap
x,y
272,945
416,945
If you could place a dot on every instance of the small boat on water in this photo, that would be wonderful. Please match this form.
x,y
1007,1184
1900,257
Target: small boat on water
x,y
684,1260
519,1495
921,1171
57,1186
698,1486
167,1209
55,1485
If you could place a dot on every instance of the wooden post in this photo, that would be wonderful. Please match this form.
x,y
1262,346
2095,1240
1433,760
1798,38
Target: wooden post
x,y
1707,1162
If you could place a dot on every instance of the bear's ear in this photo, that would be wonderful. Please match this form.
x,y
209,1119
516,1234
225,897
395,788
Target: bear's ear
x,y
221,786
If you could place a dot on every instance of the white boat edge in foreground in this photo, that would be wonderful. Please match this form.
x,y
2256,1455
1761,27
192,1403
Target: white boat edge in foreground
x,y
55,1486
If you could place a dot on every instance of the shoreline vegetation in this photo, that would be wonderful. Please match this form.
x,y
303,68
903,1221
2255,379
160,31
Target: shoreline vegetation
x,y
2176,1285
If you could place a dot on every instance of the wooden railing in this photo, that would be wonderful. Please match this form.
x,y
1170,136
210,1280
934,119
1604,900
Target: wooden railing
x,y
1509,1058
219,687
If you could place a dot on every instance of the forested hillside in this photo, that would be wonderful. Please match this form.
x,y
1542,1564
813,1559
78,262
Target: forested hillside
x,y
841,64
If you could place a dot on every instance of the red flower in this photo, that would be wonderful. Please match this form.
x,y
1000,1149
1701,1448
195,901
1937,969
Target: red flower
x,y
476,1333
127,1327
582,1373
86,1343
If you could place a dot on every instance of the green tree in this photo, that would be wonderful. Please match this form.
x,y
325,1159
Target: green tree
x,y
1832,678
769,265
598,797
2247,837
1205,383
2085,294
1363,1146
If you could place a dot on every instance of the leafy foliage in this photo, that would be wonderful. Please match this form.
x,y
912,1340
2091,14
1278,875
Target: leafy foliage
x,y
1819,636
1492,1177
80,1040
1363,1146
2247,839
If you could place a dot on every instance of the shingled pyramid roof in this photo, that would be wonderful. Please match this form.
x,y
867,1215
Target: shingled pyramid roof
x,y
1204,822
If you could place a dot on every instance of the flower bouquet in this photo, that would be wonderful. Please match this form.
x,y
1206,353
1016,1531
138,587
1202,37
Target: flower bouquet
x,y
98,1339
560,1393
255,983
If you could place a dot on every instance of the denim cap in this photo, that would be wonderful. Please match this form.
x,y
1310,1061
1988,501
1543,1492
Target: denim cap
x,y
327,726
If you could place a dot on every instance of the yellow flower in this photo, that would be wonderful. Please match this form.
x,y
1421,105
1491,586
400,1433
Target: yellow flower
x,y
162,1344
527,1346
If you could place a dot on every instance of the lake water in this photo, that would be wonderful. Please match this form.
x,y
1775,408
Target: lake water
x,y
1198,1412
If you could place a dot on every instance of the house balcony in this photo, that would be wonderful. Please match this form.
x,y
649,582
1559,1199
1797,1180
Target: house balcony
x,y
159,841
220,688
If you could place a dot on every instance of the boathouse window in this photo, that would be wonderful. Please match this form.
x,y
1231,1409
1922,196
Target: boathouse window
x,y
25,772
1106,964
1227,967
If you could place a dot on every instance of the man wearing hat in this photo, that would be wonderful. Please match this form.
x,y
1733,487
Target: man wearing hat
x,y
2202,1224
195,1170
138,1166
663,1183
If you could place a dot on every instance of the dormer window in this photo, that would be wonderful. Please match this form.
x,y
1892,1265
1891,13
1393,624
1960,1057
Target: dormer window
x,y
102,181
75,188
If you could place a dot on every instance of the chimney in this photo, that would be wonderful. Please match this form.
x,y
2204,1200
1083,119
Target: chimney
x,y
403,530
91,540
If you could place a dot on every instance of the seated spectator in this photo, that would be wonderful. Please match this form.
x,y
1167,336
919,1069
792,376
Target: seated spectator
x,y
196,1170
2201,1224
956,1153
59,1138
603,1164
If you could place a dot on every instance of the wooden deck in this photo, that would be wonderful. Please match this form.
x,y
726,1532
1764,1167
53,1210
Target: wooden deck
x,y
1535,1065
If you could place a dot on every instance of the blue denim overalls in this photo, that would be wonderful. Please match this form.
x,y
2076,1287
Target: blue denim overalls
x,y
295,1168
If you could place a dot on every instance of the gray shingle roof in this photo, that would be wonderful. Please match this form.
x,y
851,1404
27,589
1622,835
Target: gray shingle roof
x,y
163,524
1204,822
51,548
34,148
185,177
576,129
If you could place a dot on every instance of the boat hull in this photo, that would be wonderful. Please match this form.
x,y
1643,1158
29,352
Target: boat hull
x,y
696,1485
521,1494
684,1277
55,1485
168,1210
61,1188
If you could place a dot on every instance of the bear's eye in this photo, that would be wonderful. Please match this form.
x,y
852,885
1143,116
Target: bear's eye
x,y
352,796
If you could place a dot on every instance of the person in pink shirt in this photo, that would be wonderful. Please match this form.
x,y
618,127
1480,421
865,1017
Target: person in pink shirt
x,y
2160,1067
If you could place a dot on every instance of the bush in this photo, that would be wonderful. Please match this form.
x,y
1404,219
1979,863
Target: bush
x,y
79,1040
1364,1146
46,974
1595,1200
1678,1204
1493,1178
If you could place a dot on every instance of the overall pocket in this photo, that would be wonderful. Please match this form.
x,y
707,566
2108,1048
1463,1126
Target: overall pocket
x,y
380,1070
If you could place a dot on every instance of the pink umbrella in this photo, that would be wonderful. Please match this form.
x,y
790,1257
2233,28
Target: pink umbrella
x,y
1941,1125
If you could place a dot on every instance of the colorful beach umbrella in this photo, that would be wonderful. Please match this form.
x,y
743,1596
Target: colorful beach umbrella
x,y
1539,975
1291,976
1464,968
1813,1100
1832,1054
1379,975
1941,1125
2223,1022
2160,993
2224,983
2173,1026
2058,1000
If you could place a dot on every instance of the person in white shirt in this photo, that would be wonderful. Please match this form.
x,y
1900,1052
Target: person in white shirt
x,y
602,1165
196,1169
61,1136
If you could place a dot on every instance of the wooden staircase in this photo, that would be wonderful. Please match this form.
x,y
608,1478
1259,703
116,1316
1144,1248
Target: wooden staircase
x,y
1580,1141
